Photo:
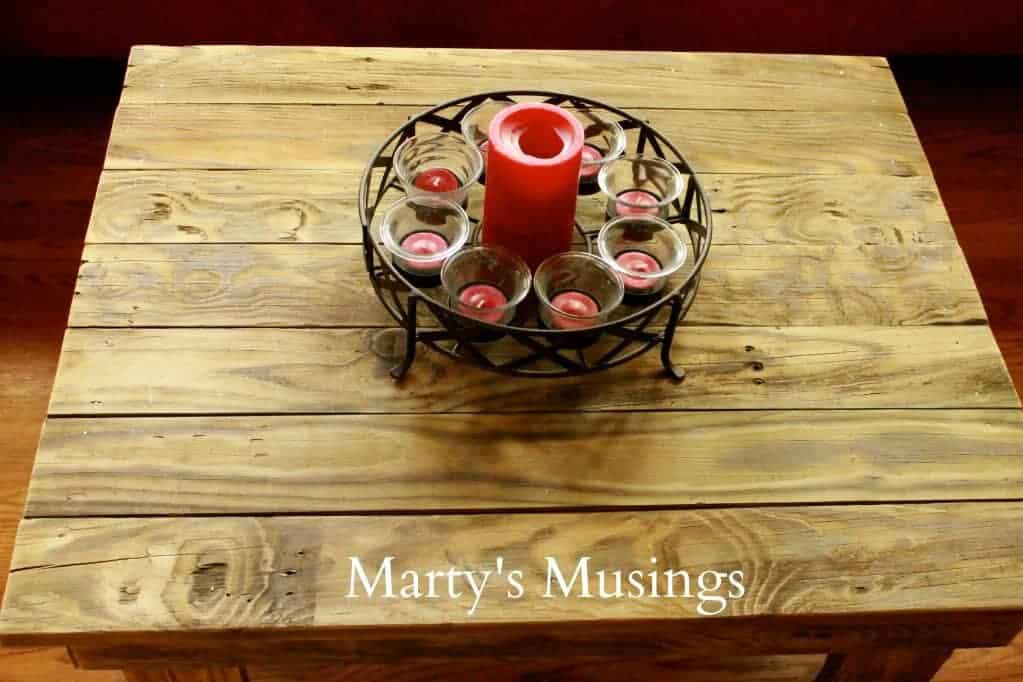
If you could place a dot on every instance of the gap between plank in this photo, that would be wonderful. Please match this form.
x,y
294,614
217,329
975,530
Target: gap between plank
x,y
589,509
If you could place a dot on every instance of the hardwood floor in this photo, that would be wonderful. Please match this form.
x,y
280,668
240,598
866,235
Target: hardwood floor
x,y
969,114
53,131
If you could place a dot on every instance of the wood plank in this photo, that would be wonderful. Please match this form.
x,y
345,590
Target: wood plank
x,y
338,75
190,674
23,664
1001,664
277,285
189,206
252,136
196,576
918,664
852,210
704,638
314,370
174,206
731,669
275,465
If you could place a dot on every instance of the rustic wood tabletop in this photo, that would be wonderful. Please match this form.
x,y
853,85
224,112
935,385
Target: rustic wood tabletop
x,y
224,436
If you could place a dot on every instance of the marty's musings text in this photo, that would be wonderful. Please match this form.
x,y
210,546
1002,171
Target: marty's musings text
x,y
579,580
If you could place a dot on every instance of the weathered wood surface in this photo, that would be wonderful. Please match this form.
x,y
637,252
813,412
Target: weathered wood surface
x,y
316,285
110,575
834,266
302,75
224,371
388,463
705,639
286,206
343,138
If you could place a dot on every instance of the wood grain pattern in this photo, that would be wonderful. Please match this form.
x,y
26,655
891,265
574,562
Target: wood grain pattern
x,y
733,669
387,463
279,285
343,138
192,674
702,638
336,75
853,210
97,577
162,206
285,206
825,192
194,371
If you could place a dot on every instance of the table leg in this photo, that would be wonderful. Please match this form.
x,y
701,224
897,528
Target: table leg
x,y
185,675
884,665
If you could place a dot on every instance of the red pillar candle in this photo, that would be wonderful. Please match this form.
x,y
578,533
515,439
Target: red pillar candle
x,y
533,163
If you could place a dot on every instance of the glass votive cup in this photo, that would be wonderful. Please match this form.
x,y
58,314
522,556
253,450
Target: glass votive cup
x,y
644,250
604,141
422,233
486,283
441,165
576,290
639,185
476,125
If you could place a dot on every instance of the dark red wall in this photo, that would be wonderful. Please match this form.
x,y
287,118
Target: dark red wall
x,y
83,28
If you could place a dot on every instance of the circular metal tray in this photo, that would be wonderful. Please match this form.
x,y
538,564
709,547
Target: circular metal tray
x,y
522,347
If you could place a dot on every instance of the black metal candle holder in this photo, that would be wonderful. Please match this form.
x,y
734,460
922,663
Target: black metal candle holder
x,y
522,347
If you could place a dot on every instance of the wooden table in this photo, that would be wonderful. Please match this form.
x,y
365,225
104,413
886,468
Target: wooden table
x,y
223,435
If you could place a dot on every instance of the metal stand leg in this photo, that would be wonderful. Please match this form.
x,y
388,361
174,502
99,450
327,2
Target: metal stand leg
x,y
399,371
676,372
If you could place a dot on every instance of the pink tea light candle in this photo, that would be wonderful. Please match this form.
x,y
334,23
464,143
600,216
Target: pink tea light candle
x,y
576,290
636,202
436,180
424,244
441,165
483,301
640,185
637,263
644,250
573,310
486,283
592,161
422,233
604,141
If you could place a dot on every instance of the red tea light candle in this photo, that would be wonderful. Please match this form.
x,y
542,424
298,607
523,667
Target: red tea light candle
x,y
591,162
437,180
639,263
485,302
424,244
636,202
578,305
